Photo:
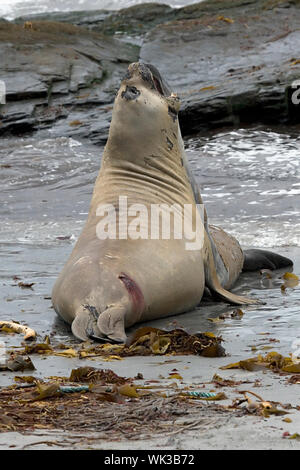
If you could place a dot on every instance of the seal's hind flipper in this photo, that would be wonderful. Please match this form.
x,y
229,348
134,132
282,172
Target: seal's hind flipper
x,y
106,327
84,325
111,323
213,283
79,325
261,259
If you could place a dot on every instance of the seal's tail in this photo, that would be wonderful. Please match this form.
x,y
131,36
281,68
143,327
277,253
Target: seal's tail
x,y
255,260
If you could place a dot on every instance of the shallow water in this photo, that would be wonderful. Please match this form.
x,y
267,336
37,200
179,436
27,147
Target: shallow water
x,y
250,181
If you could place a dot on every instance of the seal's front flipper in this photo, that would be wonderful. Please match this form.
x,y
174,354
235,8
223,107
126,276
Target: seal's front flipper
x,y
111,323
262,259
213,283
231,298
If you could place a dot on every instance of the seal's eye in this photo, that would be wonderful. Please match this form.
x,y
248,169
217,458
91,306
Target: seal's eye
x,y
131,93
134,90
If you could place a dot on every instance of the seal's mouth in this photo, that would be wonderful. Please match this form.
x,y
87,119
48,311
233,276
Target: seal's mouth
x,y
159,84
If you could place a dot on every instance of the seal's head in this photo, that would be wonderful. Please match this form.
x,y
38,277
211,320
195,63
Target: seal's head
x,y
148,76
145,110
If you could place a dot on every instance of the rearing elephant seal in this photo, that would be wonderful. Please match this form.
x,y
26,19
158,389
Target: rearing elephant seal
x,y
111,282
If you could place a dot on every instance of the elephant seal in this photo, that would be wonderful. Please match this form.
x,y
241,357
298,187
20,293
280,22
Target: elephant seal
x,y
110,283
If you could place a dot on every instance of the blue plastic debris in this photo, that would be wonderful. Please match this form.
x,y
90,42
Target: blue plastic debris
x,y
73,388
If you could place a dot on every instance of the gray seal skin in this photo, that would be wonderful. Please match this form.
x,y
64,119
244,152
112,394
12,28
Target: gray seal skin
x,y
108,285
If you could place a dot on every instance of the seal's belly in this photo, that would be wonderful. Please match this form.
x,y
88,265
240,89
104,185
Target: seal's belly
x,y
170,277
